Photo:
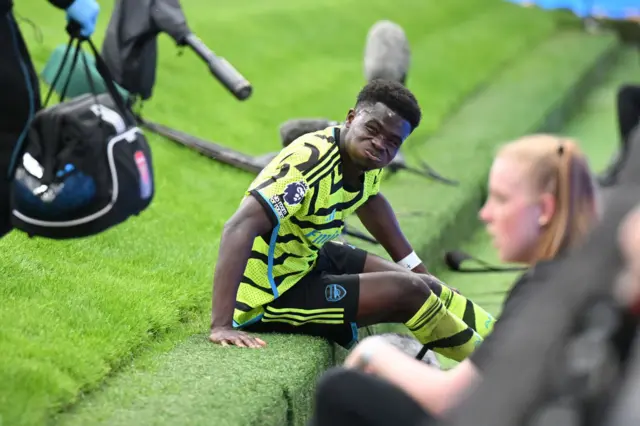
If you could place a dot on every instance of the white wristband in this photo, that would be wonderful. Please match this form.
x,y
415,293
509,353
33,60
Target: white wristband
x,y
411,261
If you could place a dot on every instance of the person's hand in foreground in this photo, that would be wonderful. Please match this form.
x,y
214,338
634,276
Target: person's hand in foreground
x,y
432,388
362,354
232,337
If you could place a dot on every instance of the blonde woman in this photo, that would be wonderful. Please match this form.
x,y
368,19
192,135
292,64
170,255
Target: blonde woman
x,y
541,203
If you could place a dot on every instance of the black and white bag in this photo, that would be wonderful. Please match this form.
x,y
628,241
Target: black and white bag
x,y
84,165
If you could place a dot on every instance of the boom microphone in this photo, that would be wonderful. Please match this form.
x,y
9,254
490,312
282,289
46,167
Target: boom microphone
x,y
386,54
454,259
292,129
221,68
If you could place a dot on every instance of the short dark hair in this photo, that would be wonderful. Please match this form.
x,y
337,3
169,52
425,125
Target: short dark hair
x,y
395,96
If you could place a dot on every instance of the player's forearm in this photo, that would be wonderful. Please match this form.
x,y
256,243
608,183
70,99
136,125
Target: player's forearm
x,y
380,220
235,249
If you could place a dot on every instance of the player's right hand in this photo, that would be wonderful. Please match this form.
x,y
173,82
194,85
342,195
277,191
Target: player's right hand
x,y
230,336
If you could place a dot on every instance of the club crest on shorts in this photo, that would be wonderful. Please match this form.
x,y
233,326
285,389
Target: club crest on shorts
x,y
294,192
334,292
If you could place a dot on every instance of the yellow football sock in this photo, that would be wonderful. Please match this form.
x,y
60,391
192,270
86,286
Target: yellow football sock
x,y
444,332
473,315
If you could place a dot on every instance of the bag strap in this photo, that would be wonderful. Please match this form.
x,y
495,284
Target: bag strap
x,y
54,83
73,29
104,72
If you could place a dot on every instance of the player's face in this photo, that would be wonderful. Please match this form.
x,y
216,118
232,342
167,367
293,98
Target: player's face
x,y
512,212
374,136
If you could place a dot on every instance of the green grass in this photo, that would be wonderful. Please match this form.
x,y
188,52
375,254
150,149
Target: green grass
x,y
596,125
74,312
167,387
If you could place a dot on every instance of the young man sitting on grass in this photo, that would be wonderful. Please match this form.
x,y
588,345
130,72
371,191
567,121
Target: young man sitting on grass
x,y
278,269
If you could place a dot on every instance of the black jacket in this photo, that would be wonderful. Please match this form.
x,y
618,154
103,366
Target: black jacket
x,y
622,339
6,5
511,306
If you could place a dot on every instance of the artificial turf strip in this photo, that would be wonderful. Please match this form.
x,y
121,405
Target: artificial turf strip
x,y
519,101
193,385
73,312
133,397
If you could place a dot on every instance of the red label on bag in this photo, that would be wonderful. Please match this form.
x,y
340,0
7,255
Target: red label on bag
x,y
145,176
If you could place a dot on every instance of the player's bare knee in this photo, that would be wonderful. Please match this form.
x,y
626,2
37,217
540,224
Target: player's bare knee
x,y
414,291
432,282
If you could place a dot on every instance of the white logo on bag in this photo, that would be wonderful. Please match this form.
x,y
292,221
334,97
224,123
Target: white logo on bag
x,y
110,116
32,166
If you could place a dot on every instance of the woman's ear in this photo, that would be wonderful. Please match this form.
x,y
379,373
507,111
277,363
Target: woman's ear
x,y
547,208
